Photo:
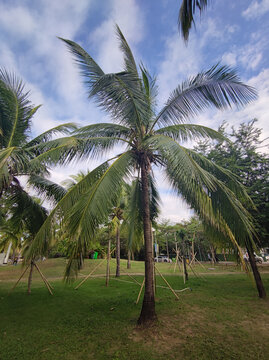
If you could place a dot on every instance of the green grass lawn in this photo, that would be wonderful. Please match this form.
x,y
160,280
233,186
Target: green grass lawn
x,y
221,318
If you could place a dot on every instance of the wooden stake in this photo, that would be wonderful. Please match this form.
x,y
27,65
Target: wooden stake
x,y
200,264
125,273
87,277
140,291
19,279
44,279
95,268
193,258
51,287
167,283
198,276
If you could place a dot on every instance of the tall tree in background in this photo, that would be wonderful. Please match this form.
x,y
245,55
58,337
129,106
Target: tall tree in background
x,y
244,158
151,139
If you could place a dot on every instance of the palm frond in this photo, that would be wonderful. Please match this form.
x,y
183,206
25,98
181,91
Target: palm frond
x,y
74,210
93,208
67,149
178,157
208,195
47,135
46,188
185,132
13,161
103,130
44,235
120,94
90,70
231,180
134,217
220,86
186,15
130,65
25,212
16,110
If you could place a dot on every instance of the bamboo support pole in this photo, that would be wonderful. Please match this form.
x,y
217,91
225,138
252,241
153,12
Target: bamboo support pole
x,y
198,276
95,268
87,277
193,258
130,276
51,287
140,291
179,266
44,279
167,283
19,279
200,264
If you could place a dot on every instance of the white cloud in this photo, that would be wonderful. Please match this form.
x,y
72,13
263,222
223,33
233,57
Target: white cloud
x,y
257,109
174,208
249,55
42,61
129,17
181,61
256,9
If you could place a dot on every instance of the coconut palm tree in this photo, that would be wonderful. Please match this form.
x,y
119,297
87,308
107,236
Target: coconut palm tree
x,y
151,139
17,150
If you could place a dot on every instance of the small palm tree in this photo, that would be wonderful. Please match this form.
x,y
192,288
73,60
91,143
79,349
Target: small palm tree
x,y
149,140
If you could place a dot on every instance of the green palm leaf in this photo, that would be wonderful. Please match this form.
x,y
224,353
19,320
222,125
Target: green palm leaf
x,y
15,110
47,135
185,132
219,87
130,65
104,130
46,188
186,15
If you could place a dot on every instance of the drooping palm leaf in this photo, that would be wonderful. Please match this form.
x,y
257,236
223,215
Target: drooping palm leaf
x,y
185,132
46,188
104,130
15,110
186,15
47,135
219,87
73,148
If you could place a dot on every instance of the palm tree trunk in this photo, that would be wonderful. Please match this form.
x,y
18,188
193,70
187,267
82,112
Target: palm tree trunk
x,y
167,249
186,275
129,260
107,263
148,313
30,277
256,273
118,251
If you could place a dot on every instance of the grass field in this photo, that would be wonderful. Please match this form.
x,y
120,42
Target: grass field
x,y
221,318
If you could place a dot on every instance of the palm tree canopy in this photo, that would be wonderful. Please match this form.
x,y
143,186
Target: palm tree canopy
x,y
17,150
151,139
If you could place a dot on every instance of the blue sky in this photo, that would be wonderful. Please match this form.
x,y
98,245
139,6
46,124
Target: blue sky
x,y
235,33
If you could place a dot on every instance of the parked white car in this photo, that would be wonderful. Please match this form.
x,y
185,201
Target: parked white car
x,y
258,259
162,258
